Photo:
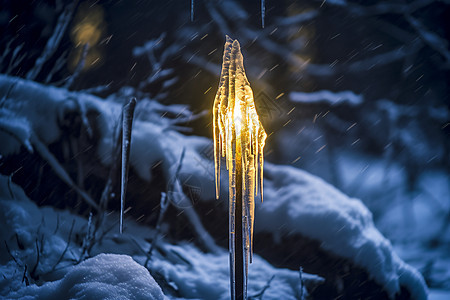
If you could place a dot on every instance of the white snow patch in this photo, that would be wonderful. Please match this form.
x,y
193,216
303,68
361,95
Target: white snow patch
x,y
105,276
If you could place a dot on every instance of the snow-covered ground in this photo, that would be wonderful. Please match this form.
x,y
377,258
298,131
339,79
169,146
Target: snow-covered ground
x,y
44,241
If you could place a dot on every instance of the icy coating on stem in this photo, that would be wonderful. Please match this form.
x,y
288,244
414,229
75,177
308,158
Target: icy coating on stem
x,y
239,137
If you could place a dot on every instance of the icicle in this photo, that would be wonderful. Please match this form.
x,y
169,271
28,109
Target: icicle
x,y
240,137
127,122
263,12
192,10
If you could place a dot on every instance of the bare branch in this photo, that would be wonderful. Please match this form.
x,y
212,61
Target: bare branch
x,y
33,272
10,254
261,293
56,67
79,67
53,42
15,59
59,170
434,41
65,249
164,204
24,277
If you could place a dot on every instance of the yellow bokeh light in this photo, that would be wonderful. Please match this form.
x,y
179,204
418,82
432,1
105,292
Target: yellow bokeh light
x,y
88,29
86,33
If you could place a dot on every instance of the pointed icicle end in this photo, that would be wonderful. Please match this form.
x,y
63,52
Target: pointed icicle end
x,y
217,190
228,39
121,223
236,45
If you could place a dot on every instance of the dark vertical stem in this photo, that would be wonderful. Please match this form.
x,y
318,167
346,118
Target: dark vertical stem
x,y
239,242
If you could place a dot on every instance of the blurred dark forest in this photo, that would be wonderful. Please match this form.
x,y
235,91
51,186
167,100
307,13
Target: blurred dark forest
x,y
392,55
356,92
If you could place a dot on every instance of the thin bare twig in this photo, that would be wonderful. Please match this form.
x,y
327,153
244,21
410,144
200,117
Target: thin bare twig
x,y
24,277
261,293
33,272
434,41
163,208
60,62
53,42
10,254
79,67
65,249
15,59
59,170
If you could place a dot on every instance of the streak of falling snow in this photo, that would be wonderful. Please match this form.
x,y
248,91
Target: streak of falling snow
x,y
321,148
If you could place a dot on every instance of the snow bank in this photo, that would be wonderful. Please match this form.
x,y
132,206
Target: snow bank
x,y
298,202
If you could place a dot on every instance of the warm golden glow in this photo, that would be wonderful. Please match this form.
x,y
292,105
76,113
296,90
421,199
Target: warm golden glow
x,y
86,33
89,24
238,134
88,29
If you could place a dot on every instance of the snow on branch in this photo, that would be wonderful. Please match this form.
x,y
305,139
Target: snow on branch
x,y
327,97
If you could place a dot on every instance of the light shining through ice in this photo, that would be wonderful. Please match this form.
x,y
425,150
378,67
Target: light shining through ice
x,y
240,138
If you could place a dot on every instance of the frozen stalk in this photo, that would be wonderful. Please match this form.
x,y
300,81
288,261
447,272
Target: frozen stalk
x,y
240,138
128,112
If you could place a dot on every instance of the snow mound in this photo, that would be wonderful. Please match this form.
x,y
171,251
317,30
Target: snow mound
x,y
105,276
298,202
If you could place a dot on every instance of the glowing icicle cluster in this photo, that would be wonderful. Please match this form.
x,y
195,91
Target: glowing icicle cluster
x,y
240,138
